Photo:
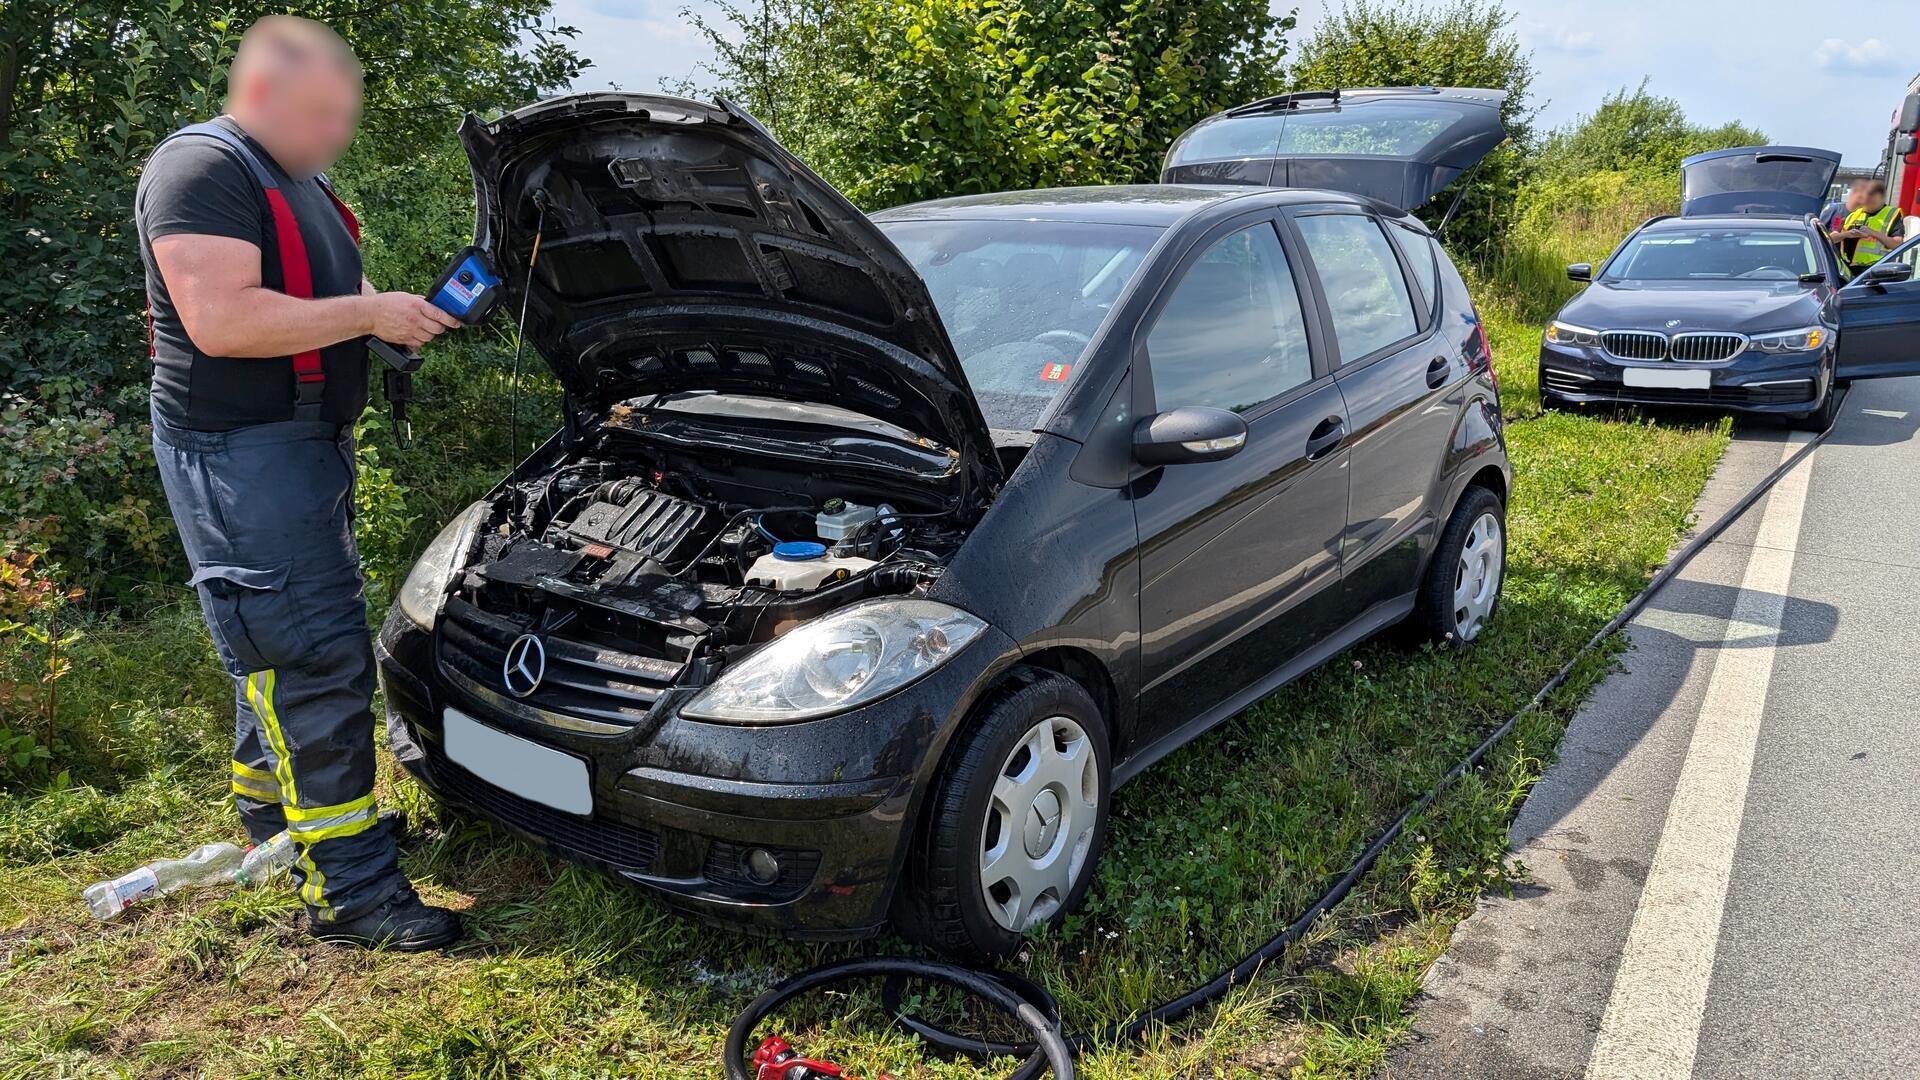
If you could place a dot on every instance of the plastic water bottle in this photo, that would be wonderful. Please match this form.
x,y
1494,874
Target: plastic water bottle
x,y
208,864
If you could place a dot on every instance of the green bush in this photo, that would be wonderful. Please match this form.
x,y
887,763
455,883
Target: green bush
x,y
899,101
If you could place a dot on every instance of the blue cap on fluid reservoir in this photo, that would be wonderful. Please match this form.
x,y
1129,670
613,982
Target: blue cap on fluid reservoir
x,y
798,550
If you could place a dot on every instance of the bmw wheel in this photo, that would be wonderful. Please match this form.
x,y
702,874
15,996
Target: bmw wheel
x,y
1469,565
1016,822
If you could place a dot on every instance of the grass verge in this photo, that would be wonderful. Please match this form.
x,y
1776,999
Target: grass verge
x,y
567,973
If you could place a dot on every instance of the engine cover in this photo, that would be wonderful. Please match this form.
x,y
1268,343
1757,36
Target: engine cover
x,y
628,517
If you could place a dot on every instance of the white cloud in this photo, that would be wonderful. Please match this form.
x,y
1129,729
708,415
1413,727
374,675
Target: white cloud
x,y
1562,39
1869,57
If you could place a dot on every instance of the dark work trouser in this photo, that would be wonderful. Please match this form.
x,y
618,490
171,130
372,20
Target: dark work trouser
x,y
265,515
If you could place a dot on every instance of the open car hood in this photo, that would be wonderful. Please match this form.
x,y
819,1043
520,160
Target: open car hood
x,y
1757,180
682,248
1399,145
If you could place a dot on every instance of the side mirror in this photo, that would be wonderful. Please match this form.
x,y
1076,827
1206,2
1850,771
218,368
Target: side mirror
x,y
1903,145
1909,114
1189,434
1815,278
1887,271
1580,272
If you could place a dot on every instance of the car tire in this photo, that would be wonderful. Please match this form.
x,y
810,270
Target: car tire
x,y
1821,418
1040,740
1462,586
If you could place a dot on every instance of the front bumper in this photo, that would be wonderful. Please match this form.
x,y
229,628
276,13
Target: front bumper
x,y
1787,383
679,805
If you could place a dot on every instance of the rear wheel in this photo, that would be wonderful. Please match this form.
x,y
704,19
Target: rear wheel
x,y
1462,587
1016,822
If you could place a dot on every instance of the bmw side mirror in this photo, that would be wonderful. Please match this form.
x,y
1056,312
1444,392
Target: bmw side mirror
x,y
1189,434
1887,272
1580,272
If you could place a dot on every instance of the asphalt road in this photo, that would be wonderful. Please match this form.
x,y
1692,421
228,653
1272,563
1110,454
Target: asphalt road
x,y
1725,862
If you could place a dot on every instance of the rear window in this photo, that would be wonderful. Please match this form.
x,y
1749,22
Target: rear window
x,y
1398,129
1714,255
1426,265
1366,293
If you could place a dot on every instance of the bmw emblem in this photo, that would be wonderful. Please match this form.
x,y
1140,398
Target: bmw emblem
x,y
525,665
1671,323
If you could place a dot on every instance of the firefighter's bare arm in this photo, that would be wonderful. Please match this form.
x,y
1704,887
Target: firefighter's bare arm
x,y
214,282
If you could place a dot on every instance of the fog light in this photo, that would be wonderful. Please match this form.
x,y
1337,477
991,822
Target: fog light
x,y
762,867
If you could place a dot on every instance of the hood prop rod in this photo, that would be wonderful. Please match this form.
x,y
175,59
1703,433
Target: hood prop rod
x,y
1440,230
520,330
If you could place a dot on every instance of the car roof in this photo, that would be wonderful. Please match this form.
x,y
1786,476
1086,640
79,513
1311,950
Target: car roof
x,y
1117,204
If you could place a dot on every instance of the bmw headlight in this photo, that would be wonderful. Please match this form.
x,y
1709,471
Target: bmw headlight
x,y
1559,333
426,583
1805,339
837,662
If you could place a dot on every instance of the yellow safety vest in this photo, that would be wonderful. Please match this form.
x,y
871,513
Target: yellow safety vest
x,y
1867,250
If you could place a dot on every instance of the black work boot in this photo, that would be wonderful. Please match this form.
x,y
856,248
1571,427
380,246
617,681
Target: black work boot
x,y
401,923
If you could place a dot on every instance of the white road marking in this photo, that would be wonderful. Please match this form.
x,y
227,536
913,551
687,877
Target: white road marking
x,y
1652,1023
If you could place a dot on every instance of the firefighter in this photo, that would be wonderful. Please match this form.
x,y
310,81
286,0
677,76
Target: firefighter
x,y
258,316
1872,229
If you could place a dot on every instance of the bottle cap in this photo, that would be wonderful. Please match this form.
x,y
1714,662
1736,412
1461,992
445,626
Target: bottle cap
x,y
798,550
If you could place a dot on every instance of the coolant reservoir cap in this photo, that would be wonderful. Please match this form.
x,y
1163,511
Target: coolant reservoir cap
x,y
798,550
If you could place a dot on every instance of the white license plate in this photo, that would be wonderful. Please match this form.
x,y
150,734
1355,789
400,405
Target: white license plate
x,y
513,764
1666,378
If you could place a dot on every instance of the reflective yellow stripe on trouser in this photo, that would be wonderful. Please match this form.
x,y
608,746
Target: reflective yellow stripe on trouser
x,y
256,784
306,825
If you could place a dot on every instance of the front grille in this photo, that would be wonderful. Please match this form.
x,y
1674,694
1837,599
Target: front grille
x,y
1782,393
1699,348
620,846
583,678
1635,344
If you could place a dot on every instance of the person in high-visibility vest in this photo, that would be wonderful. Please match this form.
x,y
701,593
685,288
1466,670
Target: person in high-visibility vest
x,y
1873,229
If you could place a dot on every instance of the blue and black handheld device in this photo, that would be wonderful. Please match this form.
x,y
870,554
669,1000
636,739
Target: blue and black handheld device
x,y
467,289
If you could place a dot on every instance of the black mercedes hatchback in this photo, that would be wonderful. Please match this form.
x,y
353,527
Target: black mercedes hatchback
x,y
875,553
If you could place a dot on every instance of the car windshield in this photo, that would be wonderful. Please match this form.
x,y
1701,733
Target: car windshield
x,y
1021,299
1715,255
1401,130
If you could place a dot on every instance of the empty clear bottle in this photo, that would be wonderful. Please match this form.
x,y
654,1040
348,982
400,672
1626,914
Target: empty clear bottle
x,y
208,864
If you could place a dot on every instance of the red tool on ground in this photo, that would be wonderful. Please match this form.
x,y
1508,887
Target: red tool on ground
x,y
776,1060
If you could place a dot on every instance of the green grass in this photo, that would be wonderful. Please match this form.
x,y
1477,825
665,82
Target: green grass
x,y
568,973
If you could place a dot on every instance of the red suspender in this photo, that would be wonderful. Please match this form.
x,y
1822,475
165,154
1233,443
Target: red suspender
x,y
296,270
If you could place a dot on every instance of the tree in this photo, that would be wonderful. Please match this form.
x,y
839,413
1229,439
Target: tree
x,y
899,100
1466,43
1635,131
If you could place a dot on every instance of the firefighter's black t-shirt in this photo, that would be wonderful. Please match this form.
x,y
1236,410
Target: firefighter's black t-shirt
x,y
199,185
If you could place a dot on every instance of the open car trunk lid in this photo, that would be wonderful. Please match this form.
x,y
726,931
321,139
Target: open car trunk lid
x,y
1400,145
681,248
1757,180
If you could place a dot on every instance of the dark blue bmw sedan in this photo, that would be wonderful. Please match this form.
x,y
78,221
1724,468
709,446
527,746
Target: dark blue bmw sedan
x,y
1735,303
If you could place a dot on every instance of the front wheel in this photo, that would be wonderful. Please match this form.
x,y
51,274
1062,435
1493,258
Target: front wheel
x,y
1821,417
1015,824
1462,587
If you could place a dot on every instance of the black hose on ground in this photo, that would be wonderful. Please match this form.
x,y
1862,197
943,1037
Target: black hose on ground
x,y
1041,1013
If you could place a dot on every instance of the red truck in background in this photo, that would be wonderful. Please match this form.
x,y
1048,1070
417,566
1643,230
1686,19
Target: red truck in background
x,y
1902,161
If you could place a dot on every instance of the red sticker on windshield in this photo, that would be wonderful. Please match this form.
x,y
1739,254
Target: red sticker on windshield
x,y
1055,372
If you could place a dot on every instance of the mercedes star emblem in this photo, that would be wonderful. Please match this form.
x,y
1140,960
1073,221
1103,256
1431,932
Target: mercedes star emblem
x,y
525,665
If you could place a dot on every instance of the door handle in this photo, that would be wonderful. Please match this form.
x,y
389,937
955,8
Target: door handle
x,y
1327,435
1438,371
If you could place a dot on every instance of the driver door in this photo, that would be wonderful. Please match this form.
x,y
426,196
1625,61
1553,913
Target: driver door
x,y
1880,320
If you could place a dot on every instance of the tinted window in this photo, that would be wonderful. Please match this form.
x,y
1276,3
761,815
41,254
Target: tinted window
x,y
1021,299
1398,128
1714,255
1232,336
1366,292
1419,249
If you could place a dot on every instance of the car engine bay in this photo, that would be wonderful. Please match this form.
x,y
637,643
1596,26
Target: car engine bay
x,y
630,545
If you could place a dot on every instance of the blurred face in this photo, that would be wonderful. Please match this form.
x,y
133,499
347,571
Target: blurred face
x,y
1872,200
1855,195
304,115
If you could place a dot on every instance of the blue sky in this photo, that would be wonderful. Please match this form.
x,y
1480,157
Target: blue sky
x,y
1771,63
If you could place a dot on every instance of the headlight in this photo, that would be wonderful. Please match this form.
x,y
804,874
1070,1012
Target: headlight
x,y
426,583
837,662
1805,339
1559,333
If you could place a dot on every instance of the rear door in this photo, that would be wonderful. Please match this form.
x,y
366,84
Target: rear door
x,y
1880,322
1399,145
1757,180
1239,558
1397,374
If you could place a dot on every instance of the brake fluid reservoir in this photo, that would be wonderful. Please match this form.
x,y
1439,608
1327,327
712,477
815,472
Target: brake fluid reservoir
x,y
802,564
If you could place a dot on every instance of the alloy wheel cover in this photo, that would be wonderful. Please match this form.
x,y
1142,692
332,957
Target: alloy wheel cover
x,y
1039,825
1476,578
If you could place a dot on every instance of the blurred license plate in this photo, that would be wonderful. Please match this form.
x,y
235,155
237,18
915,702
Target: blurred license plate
x,y
1666,379
513,764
